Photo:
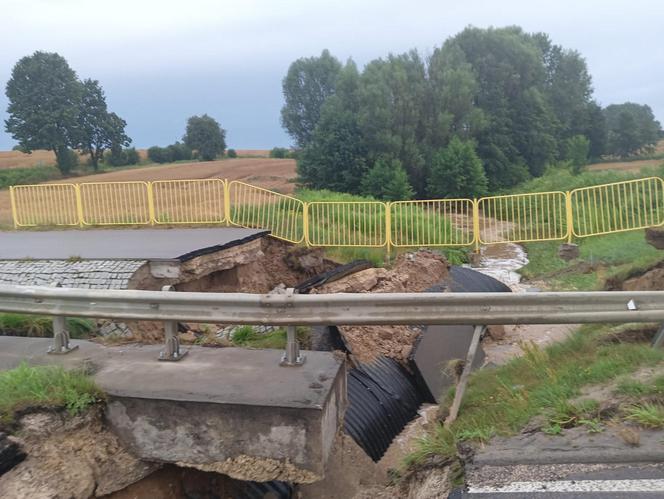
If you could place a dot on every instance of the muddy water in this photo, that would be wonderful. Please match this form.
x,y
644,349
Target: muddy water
x,y
502,261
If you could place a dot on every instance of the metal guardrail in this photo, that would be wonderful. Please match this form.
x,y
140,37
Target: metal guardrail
x,y
477,309
542,216
339,308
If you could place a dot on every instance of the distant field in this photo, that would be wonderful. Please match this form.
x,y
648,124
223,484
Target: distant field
x,y
631,166
273,174
16,159
626,166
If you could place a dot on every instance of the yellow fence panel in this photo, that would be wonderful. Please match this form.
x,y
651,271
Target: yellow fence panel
x,y
45,204
189,201
115,203
255,207
347,223
521,218
617,207
436,222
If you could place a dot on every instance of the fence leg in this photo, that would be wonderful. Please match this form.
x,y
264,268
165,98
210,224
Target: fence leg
x,y
171,351
292,356
463,380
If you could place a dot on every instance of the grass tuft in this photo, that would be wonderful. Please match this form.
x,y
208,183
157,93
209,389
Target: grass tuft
x,y
45,386
646,414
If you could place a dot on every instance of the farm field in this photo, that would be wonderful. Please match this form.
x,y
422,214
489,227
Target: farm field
x,y
631,166
273,174
16,159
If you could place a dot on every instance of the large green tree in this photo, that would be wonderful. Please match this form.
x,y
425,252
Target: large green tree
x,y
98,129
306,87
456,171
44,104
631,129
205,135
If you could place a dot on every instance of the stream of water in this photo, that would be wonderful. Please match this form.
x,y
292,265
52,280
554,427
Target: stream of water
x,y
501,261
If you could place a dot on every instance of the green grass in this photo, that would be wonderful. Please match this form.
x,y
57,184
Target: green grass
x,y
41,326
646,414
25,176
636,388
609,257
559,178
501,401
248,337
45,386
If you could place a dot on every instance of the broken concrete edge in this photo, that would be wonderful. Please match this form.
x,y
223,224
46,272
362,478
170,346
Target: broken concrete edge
x,y
212,249
257,470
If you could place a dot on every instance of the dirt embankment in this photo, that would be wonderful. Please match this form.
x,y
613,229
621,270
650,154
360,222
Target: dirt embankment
x,y
411,273
68,457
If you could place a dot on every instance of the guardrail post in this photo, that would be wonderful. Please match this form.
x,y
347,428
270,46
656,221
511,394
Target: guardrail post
x,y
60,334
463,380
292,355
171,351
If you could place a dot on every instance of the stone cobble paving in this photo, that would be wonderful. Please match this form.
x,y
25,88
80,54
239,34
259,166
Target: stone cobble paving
x,y
89,274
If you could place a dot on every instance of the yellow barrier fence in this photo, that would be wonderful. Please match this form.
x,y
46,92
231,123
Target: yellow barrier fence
x,y
46,204
517,218
521,218
255,207
115,203
436,222
347,223
617,207
189,201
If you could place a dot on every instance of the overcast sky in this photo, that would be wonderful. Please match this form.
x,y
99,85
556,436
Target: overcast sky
x,y
160,61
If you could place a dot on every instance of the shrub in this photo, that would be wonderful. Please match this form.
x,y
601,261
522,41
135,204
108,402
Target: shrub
x,y
179,151
67,160
232,153
160,154
131,156
279,152
387,180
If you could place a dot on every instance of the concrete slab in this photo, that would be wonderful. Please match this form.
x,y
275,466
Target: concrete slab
x,y
126,244
231,410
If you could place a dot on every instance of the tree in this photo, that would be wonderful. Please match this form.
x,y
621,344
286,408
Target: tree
x,y
387,179
335,158
576,152
98,129
205,135
306,87
456,171
44,102
631,128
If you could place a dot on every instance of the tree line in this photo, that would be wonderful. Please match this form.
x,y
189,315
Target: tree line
x,y
486,110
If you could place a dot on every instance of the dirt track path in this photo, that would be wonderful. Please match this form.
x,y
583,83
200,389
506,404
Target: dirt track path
x,y
273,174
